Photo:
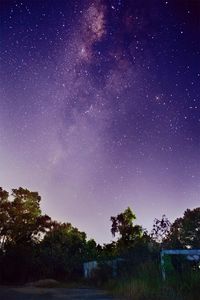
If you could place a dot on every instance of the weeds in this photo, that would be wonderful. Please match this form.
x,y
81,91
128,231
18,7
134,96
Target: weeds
x,y
147,284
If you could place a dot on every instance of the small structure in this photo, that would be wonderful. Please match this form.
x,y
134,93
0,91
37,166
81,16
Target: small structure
x,y
191,254
90,266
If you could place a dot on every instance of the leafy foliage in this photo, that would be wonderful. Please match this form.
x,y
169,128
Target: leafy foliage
x,y
185,231
62,250
33,246
21,220
161,229
122,225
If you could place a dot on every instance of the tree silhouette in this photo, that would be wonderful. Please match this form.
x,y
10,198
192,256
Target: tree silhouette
x,y
161,229
185,231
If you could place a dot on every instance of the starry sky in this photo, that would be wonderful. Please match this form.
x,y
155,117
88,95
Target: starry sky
x,y
100,107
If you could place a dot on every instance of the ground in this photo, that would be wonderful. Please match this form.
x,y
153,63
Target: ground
x,y
32,293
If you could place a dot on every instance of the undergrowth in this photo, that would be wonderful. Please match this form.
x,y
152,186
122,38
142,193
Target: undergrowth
x,y
147,284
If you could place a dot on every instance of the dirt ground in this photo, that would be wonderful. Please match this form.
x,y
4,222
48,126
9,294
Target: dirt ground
x,y
33,293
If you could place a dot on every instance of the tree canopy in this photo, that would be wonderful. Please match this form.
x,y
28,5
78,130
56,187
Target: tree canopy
x,y
32,245
21,220
185,231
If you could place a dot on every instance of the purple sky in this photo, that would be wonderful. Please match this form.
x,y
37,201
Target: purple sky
x,y
100,107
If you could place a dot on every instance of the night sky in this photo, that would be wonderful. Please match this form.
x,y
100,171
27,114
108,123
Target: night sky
x,y
100,107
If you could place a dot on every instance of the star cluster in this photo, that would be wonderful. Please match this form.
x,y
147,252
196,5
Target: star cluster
x,y
100,107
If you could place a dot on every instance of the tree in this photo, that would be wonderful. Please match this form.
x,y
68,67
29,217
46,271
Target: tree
x,y
62,251
5,207
185,231
128,233
24,219
161,229
22,226
92,250
123,223
109,251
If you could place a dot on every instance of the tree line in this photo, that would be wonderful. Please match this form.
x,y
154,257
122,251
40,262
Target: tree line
x,y
33,246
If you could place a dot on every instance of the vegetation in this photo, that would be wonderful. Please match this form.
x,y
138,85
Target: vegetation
x,y
142,277
34,247
148,285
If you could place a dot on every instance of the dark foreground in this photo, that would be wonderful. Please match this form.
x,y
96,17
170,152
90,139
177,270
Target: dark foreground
x,y
29,293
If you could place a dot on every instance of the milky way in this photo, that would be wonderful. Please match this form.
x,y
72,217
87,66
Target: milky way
x,y
100,107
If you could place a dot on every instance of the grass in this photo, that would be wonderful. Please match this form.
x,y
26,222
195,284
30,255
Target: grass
x,y
147,284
